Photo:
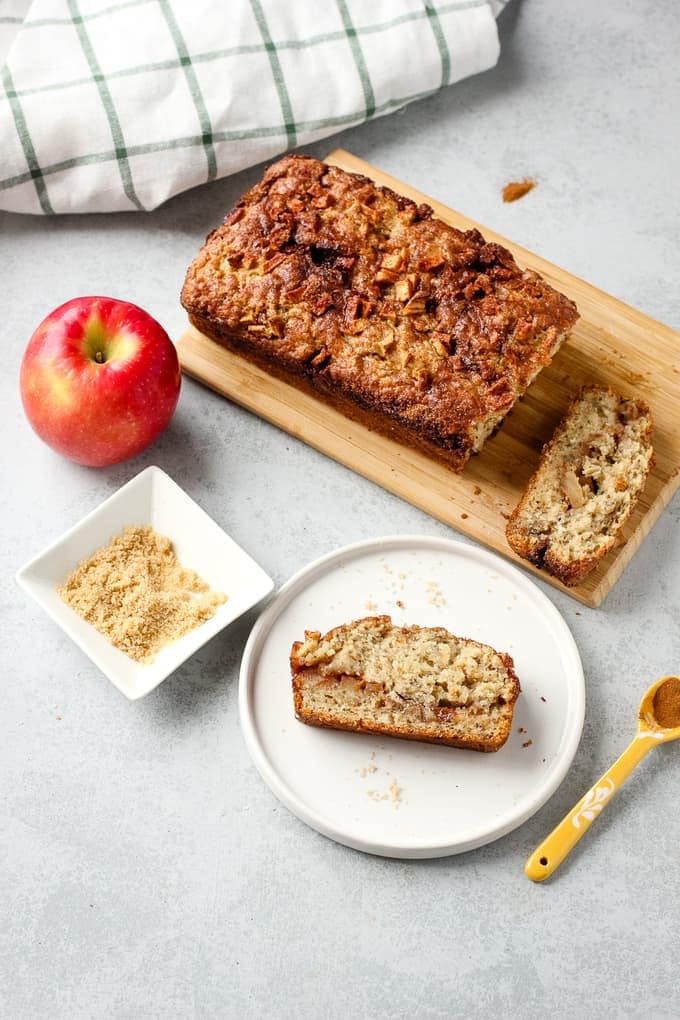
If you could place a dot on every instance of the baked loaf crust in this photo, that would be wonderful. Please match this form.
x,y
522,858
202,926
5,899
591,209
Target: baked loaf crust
x,y
422,331
588,480
420,683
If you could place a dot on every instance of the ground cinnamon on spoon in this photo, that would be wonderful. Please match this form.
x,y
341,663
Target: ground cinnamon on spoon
x,y
666,704
135,593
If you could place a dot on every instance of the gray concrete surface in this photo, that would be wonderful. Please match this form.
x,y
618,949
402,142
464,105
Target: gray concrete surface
x,y
146,871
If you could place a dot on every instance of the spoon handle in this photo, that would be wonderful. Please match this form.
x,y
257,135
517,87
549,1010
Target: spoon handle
x,y
555,847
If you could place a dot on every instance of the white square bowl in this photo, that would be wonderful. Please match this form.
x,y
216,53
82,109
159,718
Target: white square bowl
x,y
151,498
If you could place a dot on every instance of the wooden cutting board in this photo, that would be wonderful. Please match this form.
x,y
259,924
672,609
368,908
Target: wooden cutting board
x,y
611,343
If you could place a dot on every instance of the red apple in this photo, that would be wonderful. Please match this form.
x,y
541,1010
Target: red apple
x,y
99,380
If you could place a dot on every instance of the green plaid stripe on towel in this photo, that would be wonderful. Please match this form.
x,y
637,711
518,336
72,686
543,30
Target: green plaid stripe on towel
x,y
118,106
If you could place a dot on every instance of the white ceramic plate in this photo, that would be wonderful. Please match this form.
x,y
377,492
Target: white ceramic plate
x,y
344,784
200,544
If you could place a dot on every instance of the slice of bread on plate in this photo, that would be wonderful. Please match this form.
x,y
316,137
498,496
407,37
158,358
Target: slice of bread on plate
x,y
419,683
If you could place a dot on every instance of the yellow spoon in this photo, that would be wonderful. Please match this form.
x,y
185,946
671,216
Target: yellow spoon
x,y
658,722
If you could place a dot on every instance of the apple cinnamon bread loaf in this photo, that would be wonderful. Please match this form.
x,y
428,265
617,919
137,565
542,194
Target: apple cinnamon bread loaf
x,y
588,480
421,683
423,332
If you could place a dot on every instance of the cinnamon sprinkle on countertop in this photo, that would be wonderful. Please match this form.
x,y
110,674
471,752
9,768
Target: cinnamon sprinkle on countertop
x,y
135,593
517,189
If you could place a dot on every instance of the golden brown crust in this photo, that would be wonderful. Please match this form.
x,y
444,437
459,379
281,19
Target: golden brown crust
x,y
447,734
328,722
536,548
431,332
315,386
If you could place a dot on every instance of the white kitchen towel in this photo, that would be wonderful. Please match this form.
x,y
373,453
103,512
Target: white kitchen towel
x,y
117,106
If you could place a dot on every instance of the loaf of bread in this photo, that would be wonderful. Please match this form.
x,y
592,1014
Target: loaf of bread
x,y
420,683
421,331
588,480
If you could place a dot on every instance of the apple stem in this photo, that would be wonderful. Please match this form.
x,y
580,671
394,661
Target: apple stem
x,y
99,357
